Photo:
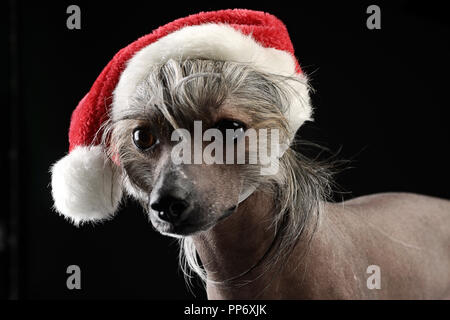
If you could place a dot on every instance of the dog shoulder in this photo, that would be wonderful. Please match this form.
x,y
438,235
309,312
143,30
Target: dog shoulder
x,y
421,218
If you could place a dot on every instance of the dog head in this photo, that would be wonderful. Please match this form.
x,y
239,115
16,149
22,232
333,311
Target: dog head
x,y
185,143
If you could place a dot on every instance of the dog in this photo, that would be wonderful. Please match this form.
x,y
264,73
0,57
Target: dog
x,y
197,121
249,235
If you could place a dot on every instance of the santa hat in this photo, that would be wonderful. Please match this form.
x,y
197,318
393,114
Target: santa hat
x,y
85,186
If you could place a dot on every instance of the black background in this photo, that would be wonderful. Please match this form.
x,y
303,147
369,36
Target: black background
x,y
381,95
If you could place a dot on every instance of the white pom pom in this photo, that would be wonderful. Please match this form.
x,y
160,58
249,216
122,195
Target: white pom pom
x,y
84,186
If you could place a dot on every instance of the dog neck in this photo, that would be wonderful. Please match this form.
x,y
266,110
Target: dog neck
x,y
234,246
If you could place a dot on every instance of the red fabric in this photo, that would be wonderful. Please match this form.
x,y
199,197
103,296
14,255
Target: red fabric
x,y
91,112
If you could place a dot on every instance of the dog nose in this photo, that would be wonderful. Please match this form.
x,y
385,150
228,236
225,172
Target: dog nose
x,y
170,208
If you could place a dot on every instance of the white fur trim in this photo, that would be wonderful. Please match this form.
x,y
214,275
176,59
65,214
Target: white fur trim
x,y
217,42
84,186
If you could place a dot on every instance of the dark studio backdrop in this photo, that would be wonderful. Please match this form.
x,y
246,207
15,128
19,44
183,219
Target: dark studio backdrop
x,y
381,95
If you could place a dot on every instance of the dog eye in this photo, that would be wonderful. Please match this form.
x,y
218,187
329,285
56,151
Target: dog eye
x,y
237,126
143,139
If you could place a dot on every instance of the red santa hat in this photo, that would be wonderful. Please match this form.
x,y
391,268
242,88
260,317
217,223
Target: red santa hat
x,y
84,185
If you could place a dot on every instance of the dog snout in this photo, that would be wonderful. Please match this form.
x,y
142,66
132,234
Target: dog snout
x,y
171,206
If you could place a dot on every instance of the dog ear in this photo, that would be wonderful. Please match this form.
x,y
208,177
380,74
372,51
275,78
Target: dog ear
x,y
86,186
